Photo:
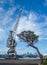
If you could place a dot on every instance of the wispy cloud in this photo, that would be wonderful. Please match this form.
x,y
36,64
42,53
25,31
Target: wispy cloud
x,y
2,34
5,19
45,3
8,2
30,23
7,16
3,50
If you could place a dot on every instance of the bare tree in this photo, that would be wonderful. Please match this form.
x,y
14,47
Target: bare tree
x,y
31,38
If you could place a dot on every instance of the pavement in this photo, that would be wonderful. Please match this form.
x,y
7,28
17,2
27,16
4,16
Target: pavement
x,y
19,62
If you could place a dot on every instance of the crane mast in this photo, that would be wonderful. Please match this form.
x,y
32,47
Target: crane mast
x,y
11,43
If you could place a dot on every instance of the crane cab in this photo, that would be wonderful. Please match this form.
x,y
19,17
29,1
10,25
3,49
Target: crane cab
x,y
11,40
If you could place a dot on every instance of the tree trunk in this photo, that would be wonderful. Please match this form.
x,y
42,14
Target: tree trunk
x,y
40,55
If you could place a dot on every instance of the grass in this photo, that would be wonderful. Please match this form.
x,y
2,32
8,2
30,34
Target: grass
x,y
45,63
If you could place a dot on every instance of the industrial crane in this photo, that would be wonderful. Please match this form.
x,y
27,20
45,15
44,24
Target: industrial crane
x,y
11,42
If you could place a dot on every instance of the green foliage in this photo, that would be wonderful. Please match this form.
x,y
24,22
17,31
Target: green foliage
x,y
28,36
31,38
45,63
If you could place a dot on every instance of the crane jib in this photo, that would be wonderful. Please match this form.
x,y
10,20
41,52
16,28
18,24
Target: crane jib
x,y
17,22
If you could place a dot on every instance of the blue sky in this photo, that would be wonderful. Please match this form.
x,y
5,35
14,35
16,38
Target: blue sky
x,y
34,18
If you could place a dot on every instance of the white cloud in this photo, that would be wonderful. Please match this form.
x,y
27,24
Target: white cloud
x,y
2,1
45,3
1,8
6,17
2,34
45,54
9,2
1,12
28,23
3,49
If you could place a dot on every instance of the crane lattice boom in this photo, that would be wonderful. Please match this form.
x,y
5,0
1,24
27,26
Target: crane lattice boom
x,y
17,22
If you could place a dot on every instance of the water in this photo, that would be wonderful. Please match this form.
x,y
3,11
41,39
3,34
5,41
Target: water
x,y
2,58
29,58
24,58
